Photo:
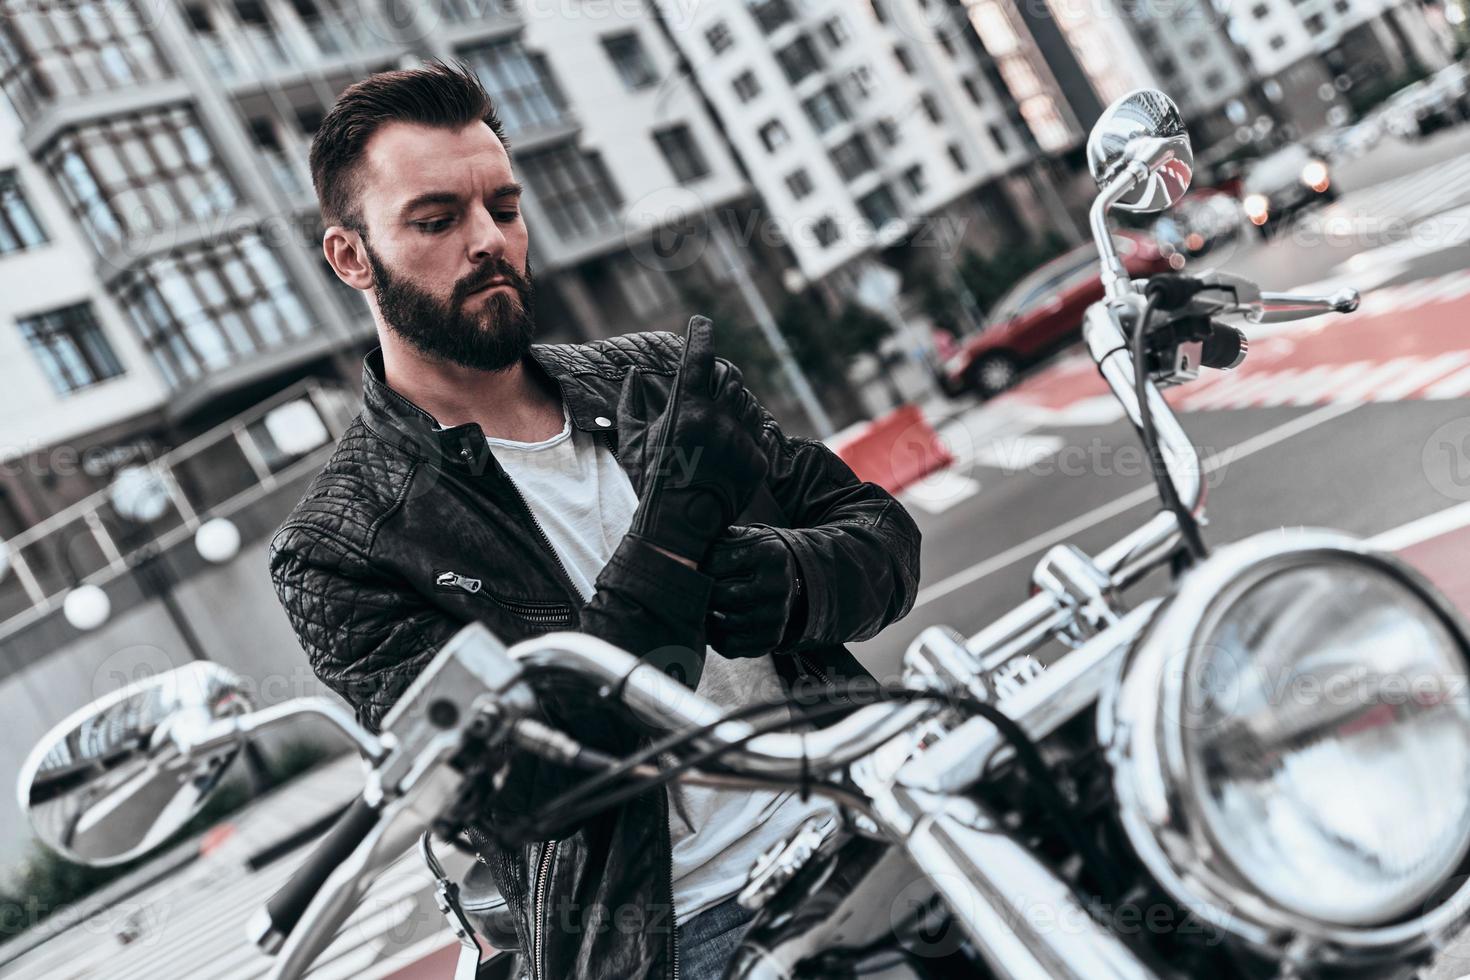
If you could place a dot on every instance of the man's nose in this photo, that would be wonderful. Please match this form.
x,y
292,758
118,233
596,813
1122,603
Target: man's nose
x,y
487,239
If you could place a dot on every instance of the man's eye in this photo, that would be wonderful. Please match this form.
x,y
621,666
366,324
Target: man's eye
x,y
507,217
439,224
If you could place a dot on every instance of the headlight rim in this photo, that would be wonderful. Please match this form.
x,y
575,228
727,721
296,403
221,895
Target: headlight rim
x,y
1165,829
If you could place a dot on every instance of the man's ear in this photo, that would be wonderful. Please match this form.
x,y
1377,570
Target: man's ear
x,y
347,256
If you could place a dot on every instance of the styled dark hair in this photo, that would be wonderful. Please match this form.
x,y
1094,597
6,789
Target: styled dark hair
x,y
436,94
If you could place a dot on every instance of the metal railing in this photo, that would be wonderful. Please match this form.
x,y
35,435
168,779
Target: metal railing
x,y
216,474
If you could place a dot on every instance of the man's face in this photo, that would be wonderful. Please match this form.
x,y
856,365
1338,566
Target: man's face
x,y
447,244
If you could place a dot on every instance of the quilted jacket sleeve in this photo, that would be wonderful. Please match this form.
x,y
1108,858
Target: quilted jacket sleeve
x,y
857,546
367,636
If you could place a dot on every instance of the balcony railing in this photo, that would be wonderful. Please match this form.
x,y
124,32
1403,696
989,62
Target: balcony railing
x,y
217,474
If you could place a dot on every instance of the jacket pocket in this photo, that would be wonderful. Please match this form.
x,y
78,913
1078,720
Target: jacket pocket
x,y
539,616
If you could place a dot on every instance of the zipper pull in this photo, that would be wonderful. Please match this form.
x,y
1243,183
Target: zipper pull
x,y
454,580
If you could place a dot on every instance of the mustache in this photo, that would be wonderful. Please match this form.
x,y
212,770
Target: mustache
x,y
500,270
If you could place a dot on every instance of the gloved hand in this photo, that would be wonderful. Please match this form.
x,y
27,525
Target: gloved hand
x,y
758,602
700,461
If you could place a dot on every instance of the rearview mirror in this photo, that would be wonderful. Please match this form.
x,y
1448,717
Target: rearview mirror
x,y
1143,126
108,784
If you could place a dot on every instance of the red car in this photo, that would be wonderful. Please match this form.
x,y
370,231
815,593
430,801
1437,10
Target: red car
x,y
1041,313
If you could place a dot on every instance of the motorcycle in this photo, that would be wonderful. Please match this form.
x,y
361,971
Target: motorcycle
x,y
1264,772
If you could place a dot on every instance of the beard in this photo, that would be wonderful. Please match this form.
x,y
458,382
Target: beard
x,y
492,333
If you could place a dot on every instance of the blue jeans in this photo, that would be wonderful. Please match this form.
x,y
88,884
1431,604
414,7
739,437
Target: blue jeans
x,y
708,941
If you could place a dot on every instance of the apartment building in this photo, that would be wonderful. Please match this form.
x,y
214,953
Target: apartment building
x,y
1064,61
868,128
1309,53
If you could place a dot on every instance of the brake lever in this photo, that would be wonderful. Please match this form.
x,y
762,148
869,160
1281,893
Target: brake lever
x,y
404,819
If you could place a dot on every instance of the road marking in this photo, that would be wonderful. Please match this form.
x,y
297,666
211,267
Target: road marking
x,y
1423,529
1123,504
940,491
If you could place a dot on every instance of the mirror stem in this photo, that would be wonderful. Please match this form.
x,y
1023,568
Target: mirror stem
x,y
1114,276
228,731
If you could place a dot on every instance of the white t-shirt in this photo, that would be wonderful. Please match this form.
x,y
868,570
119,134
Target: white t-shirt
x,y
584,501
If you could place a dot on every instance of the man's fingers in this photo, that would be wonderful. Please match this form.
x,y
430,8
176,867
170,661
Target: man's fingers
x,y
697,365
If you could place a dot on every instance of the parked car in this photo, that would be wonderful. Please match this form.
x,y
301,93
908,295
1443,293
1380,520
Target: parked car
x,y
1203,219
1435,103
1041,314
1284,182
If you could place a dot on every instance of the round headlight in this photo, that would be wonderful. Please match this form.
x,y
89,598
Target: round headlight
x,y
1319,723
1291,744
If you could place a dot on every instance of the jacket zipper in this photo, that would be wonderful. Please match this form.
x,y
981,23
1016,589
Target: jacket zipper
x,y
548,614
538,908
673,912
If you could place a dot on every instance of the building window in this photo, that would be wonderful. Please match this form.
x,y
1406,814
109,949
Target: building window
x,y
931,108
747,86
521,84
835,33
631,60
860,83
853,158
887,131
1278,42
770,14
132,176
59,49
1260,11
70,347
774,135
19,228
972,89
879,207
826,232
647,292
799,59
998,137
719,38
957,156
682,153
827,109
1214,80
1197,50
905,60
1341,6
799,184
206,308
1314,24
915,180
575,190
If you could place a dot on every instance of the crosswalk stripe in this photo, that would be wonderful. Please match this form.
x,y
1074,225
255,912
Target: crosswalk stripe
x,y
1454,386
1316,393
1412,380
1367,384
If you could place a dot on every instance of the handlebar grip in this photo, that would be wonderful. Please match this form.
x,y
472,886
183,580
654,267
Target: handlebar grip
x,y
275,921
1225,348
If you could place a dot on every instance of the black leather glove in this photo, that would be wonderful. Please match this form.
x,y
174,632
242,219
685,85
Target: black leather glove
x,y
758,602
700,461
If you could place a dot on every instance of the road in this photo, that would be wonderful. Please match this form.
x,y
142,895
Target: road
x,y
1333,422
1358,423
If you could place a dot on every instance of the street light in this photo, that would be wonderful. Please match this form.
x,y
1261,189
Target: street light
x,y
217,540
86,607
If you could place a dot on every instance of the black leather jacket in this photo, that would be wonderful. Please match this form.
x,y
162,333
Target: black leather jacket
x,y
409,532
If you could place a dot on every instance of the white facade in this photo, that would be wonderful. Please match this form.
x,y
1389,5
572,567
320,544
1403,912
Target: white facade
x,y
893,77
34,415
1276,34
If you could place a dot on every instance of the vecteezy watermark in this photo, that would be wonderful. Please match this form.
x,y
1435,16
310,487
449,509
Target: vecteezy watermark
x,y
1445,458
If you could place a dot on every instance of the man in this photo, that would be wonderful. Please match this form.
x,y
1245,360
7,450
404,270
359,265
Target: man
x,y
630,488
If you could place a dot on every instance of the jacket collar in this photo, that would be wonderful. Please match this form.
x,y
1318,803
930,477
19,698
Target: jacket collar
x,y
590,410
